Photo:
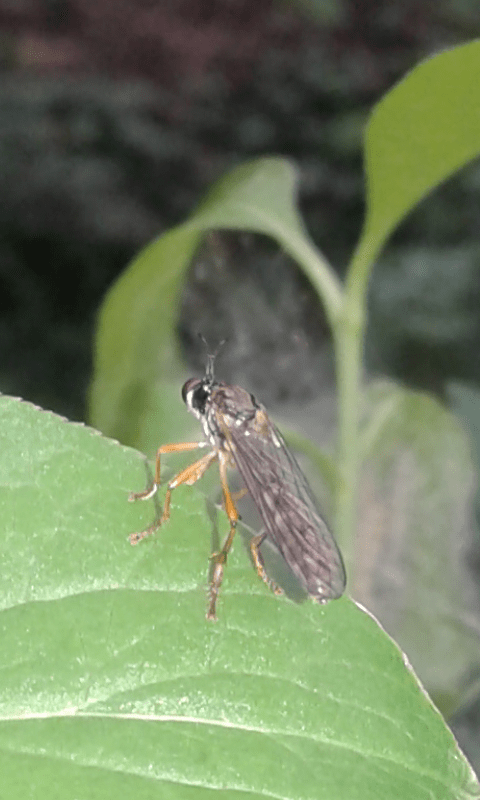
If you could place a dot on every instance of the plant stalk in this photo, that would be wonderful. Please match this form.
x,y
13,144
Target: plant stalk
x,y
348,337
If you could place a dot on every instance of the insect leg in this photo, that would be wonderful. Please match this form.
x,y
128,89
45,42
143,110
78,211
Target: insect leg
x,y
220,558
188,476
238,495
259,563
181,447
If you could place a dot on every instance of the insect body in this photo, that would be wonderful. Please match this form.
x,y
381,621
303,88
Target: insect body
x,y
240,434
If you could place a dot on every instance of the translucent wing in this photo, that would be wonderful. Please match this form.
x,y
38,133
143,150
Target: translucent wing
x,y
284,499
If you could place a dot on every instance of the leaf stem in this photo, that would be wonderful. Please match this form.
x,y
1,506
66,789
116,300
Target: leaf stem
x,y
348,337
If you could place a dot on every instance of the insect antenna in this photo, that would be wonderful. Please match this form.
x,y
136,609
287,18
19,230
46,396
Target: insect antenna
x,y
210,371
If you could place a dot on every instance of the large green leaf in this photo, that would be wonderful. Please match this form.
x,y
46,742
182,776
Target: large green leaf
x,y
415,532
135,344
420,133
113,684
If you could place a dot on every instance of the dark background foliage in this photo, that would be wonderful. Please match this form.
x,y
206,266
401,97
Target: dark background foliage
x,y
116,115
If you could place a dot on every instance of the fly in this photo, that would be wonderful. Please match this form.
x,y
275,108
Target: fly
x,y
239,433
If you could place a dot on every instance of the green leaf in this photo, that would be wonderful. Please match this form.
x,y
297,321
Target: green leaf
x,y
135,346
261,195
420,133
414,533
113,684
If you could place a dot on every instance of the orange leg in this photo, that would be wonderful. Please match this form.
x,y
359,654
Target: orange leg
x,y
259,563
181,447
238,495
188,476
220,559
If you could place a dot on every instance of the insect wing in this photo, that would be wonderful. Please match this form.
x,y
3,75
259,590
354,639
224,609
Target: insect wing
x,y
287,507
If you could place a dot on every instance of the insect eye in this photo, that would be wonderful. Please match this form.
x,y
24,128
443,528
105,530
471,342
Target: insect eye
x,y
199,398
195,394
186,386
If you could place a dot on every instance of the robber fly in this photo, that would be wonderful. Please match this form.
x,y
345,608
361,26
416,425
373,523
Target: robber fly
x,y
239,434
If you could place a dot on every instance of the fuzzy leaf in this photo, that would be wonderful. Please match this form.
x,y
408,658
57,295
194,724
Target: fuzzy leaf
x,y
422,131
135,344
414,535
113,684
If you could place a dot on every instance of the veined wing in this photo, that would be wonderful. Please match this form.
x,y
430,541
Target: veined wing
x,y
287,507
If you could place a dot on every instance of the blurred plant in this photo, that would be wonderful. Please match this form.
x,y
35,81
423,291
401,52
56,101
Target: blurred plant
x,y
113,683
417,480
